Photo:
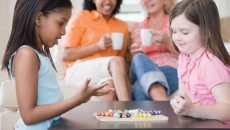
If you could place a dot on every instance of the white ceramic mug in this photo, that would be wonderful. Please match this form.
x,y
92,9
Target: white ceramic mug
x,y
146,37
117,40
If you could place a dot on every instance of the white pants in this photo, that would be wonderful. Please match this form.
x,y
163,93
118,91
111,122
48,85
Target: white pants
x,y
96,69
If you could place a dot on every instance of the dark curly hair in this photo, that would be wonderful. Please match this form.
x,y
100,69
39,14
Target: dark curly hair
x,y
89,5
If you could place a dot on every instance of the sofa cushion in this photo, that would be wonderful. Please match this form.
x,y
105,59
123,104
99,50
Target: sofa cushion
x,y
8,95
227,46
59,64
225,28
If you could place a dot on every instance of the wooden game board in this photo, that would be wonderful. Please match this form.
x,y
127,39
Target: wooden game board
x,y
130,119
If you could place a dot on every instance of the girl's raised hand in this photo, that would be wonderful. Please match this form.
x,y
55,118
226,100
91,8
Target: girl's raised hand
x,y
101,89
87,91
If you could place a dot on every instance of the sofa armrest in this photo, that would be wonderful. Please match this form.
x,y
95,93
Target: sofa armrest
x,y
8,98
3,75
8,119
8,102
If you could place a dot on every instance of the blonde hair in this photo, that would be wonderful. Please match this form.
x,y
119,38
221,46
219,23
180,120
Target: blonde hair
x,y
168,5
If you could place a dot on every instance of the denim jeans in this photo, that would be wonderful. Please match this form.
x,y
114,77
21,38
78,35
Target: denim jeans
x,y
144,73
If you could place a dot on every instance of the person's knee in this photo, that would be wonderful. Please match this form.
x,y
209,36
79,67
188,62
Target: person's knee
x,y
138,57
117,61
141,58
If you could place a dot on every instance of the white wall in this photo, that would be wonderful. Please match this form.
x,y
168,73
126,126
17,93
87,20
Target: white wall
x,y
4,25
223,7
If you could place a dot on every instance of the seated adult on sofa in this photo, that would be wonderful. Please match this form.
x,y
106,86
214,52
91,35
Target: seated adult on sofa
x,y
87,48
153,68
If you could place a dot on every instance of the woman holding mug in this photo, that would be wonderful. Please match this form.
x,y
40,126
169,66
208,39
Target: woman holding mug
x,y
153,68
87,48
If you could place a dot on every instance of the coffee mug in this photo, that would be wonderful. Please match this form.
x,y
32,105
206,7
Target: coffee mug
x,y
117,40
146,37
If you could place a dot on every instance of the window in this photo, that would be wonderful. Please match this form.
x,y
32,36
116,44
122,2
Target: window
x,y
131,6
130,11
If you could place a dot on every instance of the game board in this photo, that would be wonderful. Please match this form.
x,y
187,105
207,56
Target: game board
x,y
131,117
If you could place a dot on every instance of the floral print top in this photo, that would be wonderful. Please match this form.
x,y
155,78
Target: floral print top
x,y
157,52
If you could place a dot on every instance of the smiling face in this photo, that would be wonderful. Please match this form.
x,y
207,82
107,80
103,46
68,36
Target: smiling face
x,y
50,27
186,36
105,7
153,6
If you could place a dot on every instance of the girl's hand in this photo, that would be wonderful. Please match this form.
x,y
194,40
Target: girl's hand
x,y
181,104
135,48
88,91
105,42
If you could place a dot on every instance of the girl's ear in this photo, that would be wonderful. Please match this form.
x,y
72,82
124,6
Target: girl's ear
x,y
38,19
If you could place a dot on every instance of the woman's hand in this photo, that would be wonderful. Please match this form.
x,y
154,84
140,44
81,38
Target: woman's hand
x,y
87,91
135,48
105,42
160,36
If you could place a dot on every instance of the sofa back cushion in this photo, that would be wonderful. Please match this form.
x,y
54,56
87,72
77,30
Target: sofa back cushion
x,y
225,28
59,64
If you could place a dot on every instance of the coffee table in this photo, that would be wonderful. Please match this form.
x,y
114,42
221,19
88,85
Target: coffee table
x,y
82,117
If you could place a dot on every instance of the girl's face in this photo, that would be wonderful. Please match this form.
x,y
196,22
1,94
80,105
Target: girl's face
x,y
105,7
186,35
50,27
153,6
